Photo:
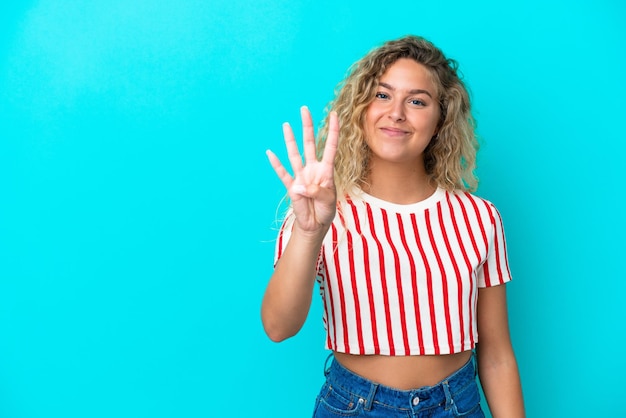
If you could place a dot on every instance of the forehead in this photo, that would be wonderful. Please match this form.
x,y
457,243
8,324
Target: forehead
x,y
408,74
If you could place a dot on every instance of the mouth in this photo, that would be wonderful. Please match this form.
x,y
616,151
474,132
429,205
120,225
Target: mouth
x,y
390,131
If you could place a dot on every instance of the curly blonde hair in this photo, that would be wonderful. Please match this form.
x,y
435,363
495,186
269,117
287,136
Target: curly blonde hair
x,y
450,158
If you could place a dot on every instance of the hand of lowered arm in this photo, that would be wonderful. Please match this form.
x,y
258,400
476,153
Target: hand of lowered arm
x,y
497,366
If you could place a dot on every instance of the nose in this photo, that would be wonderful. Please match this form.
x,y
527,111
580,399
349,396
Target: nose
x,y
396,113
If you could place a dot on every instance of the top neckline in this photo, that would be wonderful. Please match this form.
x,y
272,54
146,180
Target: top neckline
x,y
437,196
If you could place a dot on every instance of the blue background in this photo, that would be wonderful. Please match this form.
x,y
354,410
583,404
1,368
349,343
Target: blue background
x,y
138,211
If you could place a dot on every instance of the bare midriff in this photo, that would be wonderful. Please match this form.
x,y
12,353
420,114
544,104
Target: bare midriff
x,y
404,372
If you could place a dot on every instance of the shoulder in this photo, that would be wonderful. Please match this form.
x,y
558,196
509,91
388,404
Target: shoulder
x,y
469,196
471,199
482,210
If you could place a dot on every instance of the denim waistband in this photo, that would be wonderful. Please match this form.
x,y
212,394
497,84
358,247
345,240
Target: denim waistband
x,y
421,398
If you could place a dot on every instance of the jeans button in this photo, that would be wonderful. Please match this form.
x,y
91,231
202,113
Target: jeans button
x,y
416,400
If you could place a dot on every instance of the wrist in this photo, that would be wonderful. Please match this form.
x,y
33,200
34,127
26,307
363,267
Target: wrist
x,y
314,237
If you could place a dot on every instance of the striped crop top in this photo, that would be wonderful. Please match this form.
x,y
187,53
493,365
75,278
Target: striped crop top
x,y
403,279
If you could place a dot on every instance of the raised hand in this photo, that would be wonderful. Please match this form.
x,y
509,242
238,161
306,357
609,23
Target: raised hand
x,y
312,187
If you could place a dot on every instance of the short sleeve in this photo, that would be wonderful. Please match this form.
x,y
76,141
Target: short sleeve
x,y
495,270
283,235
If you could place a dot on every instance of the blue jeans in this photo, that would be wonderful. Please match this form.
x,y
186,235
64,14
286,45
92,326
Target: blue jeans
x,y
345,394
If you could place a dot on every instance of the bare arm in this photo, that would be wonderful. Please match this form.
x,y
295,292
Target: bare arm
x,y
497,366
288,294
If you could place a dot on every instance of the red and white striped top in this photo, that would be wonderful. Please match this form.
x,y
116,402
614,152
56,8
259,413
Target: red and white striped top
x,y
403,279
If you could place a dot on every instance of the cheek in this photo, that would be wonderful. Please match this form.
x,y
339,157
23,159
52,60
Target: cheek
x,y
369,122
432,122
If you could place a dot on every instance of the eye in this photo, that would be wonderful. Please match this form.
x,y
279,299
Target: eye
x,y
381,95
417,102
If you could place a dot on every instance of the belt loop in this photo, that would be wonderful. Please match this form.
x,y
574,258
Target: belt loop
x,y
446,390
326,366
370,397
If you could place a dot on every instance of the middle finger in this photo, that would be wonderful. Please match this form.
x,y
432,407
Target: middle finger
x,y
308,134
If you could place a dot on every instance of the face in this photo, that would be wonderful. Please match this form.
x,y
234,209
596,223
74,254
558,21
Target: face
x,y
404,115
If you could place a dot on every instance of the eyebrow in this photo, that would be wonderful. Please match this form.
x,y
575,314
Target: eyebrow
x,y
414,91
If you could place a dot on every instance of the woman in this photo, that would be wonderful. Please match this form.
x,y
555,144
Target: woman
x,y
411,266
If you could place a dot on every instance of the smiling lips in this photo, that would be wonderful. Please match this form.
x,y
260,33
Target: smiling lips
x,y
395,132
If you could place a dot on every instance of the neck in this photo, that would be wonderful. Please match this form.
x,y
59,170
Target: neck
x,y
397,184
